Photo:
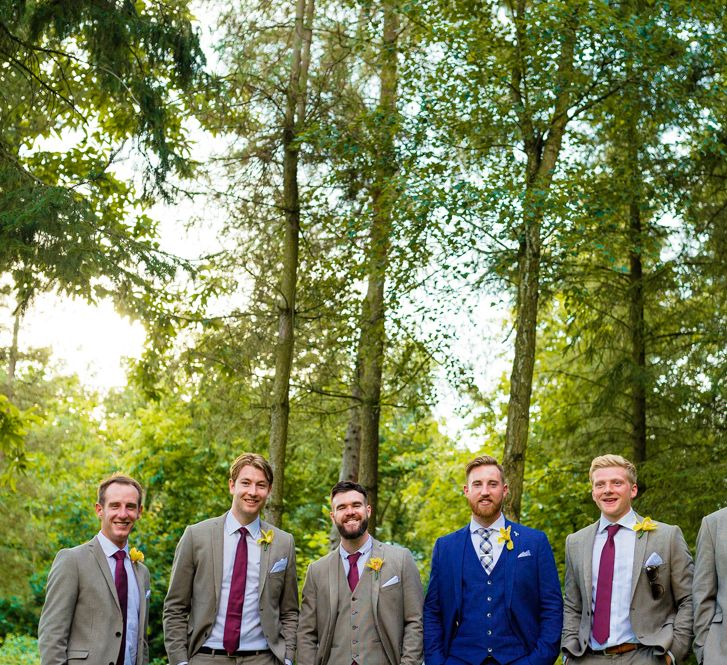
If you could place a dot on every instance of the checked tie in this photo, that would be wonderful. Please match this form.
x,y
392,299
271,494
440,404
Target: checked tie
x,y
233,618
121,581
604,587
486,557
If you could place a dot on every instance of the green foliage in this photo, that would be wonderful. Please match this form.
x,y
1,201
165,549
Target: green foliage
x,y
19,650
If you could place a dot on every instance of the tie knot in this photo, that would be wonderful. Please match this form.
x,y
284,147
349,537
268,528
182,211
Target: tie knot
x,y
242,531
484,531
353,558
612,529
119,555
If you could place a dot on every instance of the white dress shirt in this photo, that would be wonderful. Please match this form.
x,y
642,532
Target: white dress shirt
x,y
251,630
497,548
623,566
132,598
365,551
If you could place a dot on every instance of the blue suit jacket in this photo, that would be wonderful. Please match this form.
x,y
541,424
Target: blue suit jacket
x,y
533,601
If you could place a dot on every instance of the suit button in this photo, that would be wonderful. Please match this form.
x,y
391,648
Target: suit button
x,y
489,598
489,632
489,649
489,615
489,582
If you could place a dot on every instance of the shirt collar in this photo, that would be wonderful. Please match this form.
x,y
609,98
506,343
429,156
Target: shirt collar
x,y
109,549
498,524
363,550
627,521
232,525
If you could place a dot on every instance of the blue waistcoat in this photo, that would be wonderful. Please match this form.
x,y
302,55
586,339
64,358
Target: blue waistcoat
x,y
485,629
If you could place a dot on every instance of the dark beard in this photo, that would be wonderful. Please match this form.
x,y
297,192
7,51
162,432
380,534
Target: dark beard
x,y
347,535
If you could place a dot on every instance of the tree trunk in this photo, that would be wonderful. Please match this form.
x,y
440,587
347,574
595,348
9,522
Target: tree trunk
x,y
294,118
542,156
636,304
383,196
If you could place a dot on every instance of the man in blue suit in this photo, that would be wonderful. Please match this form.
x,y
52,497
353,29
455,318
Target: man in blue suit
x,y
494,595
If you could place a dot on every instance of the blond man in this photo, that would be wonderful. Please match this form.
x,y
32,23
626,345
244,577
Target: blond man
x,y
628,580
233,591
96,603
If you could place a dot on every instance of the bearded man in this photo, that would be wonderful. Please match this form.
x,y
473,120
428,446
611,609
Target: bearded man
x,y
362,603
494,595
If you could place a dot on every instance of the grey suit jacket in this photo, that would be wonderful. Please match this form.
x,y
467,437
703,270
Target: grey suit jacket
x,y
397,607
192,601
81,620
710,590
665,623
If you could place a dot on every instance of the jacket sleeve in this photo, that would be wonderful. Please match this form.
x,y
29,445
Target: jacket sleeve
x,y
178,601
705,588
411,651
682,574
550,607
289,604
572,606
308,631
56,618
433,615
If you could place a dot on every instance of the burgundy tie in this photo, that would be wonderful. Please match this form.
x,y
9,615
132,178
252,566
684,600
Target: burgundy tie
x,y
602,611
122,590
353,570
233,619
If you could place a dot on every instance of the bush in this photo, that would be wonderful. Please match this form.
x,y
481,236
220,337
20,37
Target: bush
x,y
19,650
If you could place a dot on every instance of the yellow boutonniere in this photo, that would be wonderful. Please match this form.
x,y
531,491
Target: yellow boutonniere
x,y
266,538
647,524
136,556
504,537
375,565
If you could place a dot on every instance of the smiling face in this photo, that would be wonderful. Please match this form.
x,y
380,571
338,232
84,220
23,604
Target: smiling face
x,y
119,512
249,491
350,513
613,491
485,491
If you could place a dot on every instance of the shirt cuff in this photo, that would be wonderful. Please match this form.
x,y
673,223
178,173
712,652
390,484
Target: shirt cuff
x,y
288,661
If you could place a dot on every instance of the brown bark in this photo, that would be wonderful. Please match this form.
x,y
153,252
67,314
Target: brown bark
x,y
383,196
636,304
294,117
542,154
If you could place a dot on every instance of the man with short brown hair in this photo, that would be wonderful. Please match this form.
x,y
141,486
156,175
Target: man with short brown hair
x,y
628,580
494,595
233,591
96,605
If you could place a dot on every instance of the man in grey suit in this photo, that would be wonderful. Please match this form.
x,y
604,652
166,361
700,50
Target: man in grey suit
x,y
710,590
233,591
628,580
362,603
95,609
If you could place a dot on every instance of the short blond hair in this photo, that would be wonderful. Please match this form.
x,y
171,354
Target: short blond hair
x,y
254,460
605,461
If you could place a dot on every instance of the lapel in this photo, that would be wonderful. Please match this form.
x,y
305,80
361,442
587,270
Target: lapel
x,y
639,557
218,544
103,564
334,562
376,551
142,593
507,558
265,557
589,538
462,542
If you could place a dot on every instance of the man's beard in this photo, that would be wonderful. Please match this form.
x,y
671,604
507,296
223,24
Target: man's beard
x,y
348,535
487,512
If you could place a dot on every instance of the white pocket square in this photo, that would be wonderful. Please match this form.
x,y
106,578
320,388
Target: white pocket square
x,y
524,554
653,560
393,580
148,593
280,564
